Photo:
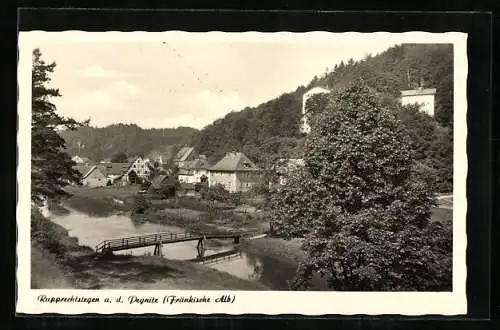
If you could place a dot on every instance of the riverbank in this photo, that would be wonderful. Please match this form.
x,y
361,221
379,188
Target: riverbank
x,y
59,262
201,222
186,213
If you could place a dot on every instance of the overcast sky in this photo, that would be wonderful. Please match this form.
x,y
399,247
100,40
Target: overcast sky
x,y
181,82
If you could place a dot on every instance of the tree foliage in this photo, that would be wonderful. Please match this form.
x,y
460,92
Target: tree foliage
x,y
360,203
120,157
51,166
140,204
98,143
271,130
216,193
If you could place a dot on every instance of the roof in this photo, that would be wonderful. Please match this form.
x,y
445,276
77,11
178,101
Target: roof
x,y
235,161
158,180
114,168
184,153
84,170
317,90
420,91
185,171
199,163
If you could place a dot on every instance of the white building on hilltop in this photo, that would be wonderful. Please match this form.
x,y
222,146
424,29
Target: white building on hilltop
x,y
421,96
305,128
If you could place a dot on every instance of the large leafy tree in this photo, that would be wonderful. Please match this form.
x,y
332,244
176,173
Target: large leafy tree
x,y
51,166
361,204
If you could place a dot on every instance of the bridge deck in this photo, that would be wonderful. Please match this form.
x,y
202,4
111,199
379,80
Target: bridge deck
x,y
134,242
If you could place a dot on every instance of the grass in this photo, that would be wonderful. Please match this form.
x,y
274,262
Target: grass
x,y
203,222
101,201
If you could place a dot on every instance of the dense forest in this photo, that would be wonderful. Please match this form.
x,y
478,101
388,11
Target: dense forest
x,y
100,143
271,129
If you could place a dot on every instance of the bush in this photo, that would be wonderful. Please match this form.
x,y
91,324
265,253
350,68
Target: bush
x,y
235,198
140,204
216,193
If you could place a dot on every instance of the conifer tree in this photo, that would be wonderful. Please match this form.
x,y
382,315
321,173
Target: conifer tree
x,y
51,166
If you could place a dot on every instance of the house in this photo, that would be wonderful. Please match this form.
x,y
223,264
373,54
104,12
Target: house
x,y
184,156
195,171
141,167
236,172
92,176
157,183
421,96
185,175
305,128
200,168
114,172
81,160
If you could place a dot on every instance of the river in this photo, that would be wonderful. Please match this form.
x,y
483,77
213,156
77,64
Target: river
x,y
91,230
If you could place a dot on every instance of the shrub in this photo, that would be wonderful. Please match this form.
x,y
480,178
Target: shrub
x,y
140,204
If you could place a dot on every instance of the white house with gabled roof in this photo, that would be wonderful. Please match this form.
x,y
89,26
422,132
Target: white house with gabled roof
x,y
424,97
236,172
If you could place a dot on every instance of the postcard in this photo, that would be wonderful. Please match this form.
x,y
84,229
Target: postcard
x,y
267,173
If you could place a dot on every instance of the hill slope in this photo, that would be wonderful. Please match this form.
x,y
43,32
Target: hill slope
x,y
99,143
272,128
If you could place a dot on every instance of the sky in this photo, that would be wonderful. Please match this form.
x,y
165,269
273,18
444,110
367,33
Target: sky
x,y
189,80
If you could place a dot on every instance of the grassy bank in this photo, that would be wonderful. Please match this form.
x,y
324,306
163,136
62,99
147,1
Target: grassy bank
x,y
203,222
101,201
58,261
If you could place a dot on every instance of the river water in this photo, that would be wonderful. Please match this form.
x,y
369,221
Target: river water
x,y
224,256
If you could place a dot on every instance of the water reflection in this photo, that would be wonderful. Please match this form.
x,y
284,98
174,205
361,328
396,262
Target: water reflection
x,y
221,255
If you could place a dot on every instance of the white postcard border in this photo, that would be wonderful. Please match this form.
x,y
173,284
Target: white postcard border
x,y
261,302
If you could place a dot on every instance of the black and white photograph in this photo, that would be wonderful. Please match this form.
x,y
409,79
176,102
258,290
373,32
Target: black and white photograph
x,y
193,167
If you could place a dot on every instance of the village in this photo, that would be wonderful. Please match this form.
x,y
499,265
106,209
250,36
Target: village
x,y
236,172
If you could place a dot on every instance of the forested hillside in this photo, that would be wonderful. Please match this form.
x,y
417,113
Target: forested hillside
x,y
272,128
100,143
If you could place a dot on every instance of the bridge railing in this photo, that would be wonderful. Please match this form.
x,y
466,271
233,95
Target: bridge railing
x,y
142,240
150,239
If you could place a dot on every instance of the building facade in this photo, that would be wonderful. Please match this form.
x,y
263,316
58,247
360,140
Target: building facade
x,y
195,171
92,176
424,97
184,156
141,167
236,172
304,127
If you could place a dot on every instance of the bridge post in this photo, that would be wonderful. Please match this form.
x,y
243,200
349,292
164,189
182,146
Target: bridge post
x,y
158,250
201,248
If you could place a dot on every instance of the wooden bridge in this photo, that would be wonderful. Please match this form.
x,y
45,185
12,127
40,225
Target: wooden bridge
x,y
158,239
